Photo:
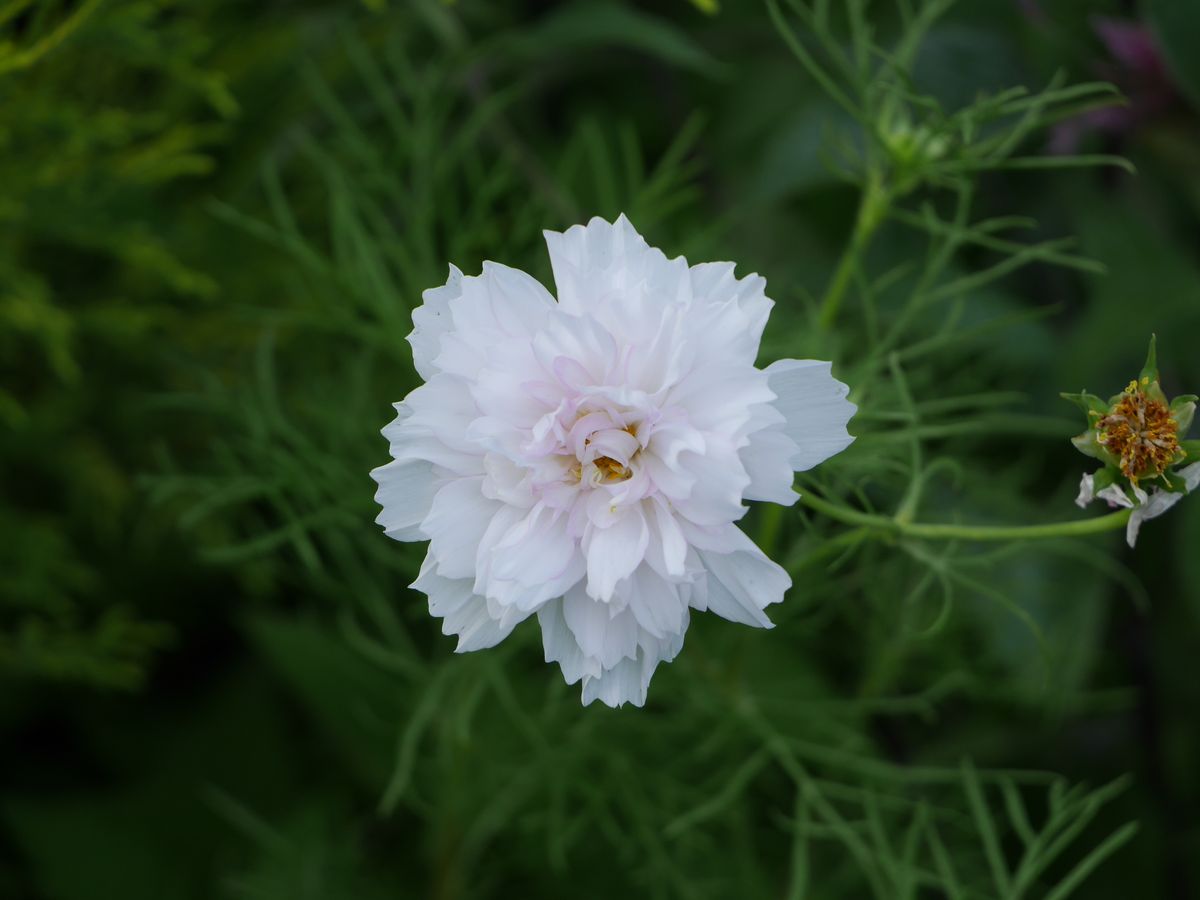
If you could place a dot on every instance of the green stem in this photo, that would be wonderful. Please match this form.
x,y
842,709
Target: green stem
x,y
872,210
950,532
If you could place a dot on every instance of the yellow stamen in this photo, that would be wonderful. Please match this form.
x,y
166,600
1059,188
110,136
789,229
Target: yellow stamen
x,y
611,470
1141,433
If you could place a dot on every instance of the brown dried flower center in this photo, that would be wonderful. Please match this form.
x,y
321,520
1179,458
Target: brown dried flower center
x,y
1141,432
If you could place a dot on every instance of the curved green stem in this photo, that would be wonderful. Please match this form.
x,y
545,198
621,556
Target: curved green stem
x,y
952,532
872,209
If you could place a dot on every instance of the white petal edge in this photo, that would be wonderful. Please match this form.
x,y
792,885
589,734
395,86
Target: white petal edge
x,y
815,408
431,320
463,613
742,583
405,496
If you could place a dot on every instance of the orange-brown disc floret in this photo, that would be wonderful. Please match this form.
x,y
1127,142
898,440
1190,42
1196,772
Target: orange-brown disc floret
x,y
1141,433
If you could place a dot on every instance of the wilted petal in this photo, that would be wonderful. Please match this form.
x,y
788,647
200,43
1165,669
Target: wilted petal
x,y
1156,504
1087,491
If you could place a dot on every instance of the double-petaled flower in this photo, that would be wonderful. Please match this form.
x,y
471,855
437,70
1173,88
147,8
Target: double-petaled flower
x,y
585,459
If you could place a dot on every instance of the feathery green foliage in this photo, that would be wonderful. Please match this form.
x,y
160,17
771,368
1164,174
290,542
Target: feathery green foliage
x,y
208,275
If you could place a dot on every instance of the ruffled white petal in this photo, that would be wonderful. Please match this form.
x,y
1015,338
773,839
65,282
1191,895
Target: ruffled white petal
x,y
629,679
405,496
527,558
431,320
432,424
657,604
462,612
602,633
626,682
457,520
816,409
560,645
742,583
613,552
493,309
729,313
608,271
719,483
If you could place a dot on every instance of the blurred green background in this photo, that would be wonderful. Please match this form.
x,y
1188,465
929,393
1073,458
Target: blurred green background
x,y
215,218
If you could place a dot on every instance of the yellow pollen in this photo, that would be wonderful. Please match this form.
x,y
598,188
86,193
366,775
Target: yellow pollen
x,y
611,469
1141,433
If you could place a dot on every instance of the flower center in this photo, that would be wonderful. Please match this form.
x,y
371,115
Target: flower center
x,y
610,470
1141,431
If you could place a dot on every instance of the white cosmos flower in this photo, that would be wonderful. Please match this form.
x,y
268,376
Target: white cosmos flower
x,y
1147,505
585,459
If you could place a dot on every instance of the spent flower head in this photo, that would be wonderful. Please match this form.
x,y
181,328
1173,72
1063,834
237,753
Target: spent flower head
x,y
1140,436
585,459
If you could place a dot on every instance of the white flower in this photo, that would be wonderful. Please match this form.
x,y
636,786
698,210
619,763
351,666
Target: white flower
x,y
586,459
1146,505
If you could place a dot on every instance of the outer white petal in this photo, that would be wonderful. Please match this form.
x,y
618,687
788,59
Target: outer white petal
x,y
405,495
815,406
560,646
656,603
601,635
456,523
607,270
628,680
767,456
431,320
406,486
743,582
729,313
500,305
624,683
462,612
768,462
432,424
